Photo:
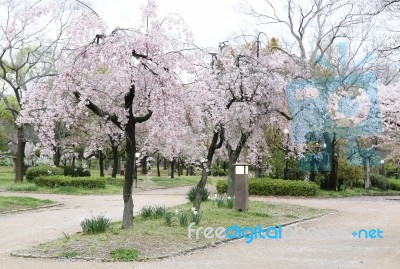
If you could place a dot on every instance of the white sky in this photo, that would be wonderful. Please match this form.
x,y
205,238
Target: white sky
x,y
211,21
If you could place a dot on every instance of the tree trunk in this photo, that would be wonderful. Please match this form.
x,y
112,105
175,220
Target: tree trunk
x,y
101,163
130,167
201,186
180,167
172,167
233,157
259,167
367,181
144,165
312,176
114,149
57,156
20,156
231,176
216,143
333,179
158,164
187,169
165,163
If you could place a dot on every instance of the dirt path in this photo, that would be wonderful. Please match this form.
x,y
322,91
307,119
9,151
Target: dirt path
x,y
31,228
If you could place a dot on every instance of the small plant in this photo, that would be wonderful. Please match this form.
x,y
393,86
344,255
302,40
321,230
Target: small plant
x,y
152,212
191,194
195,216
225,201
220,201
230,203
183,218
158,212
124,254
147,212
95,225
66,236
168,217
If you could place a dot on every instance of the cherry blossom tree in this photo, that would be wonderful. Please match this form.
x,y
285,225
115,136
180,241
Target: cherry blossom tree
x,y
125,77
390,113
245,90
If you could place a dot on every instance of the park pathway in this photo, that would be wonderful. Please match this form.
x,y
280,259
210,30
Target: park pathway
x,y
22,230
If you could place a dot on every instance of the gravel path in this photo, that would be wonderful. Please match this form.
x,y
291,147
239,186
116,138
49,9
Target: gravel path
x,y
22,230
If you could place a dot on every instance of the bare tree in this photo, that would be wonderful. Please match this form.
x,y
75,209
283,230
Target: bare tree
x,y
313,25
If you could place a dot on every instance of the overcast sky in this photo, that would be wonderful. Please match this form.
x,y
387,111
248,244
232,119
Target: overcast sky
x,y
211,21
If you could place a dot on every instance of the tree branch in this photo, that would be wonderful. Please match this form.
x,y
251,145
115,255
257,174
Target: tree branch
x,y
98,111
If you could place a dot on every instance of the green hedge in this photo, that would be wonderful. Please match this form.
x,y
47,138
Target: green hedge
x,y
37,171
394,184
265,186
62,181
76,172
119,182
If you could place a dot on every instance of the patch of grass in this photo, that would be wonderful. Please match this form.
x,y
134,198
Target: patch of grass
x,y
10,203
350,192
291,216
69,254
113,186
156,237
25,187
124,254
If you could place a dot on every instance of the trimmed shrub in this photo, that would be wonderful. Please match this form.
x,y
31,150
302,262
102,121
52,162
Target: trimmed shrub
x,y
191,194
76,172
394,184
222,186
37,171
379,181
262,186
119,182
63,181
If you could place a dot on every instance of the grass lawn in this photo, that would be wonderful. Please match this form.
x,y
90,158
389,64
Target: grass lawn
x,y
153,238
355,192
11,203
113,186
